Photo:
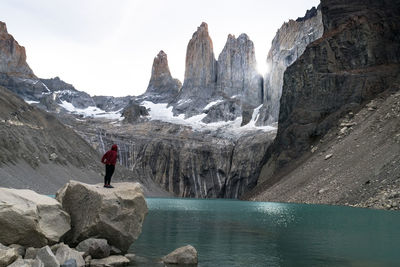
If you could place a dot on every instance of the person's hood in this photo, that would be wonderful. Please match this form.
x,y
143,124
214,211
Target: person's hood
x,y
114,147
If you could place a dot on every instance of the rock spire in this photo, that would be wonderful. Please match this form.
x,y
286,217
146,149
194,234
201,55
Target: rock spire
x,y
161,81
12,55
237,70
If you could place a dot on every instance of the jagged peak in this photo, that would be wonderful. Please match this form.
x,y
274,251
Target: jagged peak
x,y
201,30
161,54
3,27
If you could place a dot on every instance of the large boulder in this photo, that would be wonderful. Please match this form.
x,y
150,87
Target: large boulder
x,y
31,219
115,214
182,255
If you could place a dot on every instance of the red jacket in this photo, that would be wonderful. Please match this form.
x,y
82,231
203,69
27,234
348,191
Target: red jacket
x,y
110,157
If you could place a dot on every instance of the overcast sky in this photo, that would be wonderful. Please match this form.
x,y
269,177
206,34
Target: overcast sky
x,y
107,47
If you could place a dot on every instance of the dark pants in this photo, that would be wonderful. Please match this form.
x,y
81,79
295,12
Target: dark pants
x,y
109,172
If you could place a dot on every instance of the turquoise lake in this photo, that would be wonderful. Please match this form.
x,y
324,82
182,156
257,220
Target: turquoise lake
x,y
241,233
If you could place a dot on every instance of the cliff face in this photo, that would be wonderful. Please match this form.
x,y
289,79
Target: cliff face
x,y
237,74
162,86
184,162
12,55
287,46
357,57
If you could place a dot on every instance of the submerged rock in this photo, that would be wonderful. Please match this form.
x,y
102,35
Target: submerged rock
x,y
182,255
115,214
31,219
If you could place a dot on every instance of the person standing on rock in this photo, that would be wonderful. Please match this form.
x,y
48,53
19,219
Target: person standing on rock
x,y
110,159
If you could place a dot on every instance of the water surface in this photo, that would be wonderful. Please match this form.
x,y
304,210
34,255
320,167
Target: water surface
x,y
241,233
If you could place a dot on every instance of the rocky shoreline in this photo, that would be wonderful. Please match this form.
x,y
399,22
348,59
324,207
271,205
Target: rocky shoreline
x,y
86,225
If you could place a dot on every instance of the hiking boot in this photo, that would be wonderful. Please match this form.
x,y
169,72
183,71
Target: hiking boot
x,y
110,186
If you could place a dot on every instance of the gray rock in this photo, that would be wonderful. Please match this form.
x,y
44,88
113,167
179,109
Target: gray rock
x,y
27,263
31,219
65,253
46,256
70,263
134,113
7,255
237,74
182,255
112,261
31,252
114,214
95,247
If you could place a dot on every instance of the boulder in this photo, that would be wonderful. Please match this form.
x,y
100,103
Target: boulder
x,y
95,247
31,219
182,255
65,253
46,256
112,261
7,255
114,214
27,263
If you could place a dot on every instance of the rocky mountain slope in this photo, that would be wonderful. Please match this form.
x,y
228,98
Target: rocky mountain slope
x,y
356,163
355,60
40,153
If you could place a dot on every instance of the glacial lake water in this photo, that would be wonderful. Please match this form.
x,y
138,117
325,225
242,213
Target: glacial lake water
x,y
241,233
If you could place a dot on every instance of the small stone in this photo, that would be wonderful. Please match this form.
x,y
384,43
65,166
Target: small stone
x,y
328,156
182,255
343,130
53,156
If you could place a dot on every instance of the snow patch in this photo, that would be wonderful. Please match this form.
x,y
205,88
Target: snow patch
x,y
92,112
31,101
212,104
162,112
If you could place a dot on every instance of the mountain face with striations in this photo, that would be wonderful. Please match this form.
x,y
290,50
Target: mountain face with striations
x,y
355,61
288,45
